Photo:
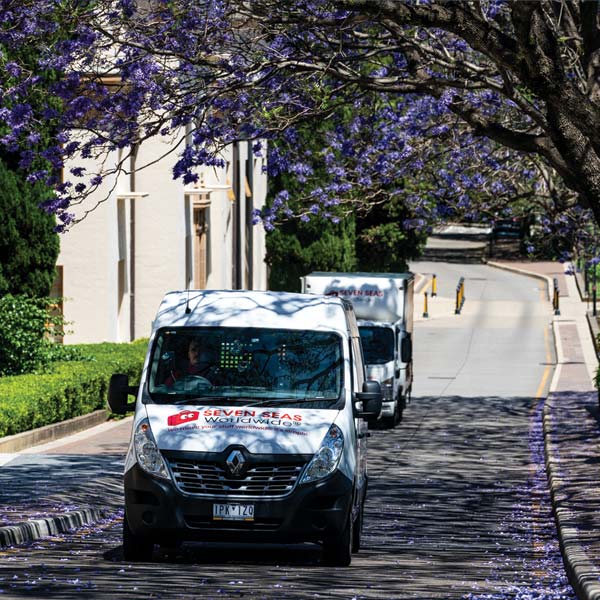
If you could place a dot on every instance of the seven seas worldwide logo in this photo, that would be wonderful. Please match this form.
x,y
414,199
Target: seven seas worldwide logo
x,y
234,416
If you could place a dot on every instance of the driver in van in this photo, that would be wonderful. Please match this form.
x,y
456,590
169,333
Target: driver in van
x,y
199,363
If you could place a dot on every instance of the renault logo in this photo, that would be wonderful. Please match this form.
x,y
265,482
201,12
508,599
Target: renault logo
x,y
235,462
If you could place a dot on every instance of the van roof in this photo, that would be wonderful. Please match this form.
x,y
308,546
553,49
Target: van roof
x,y
407,275
242,308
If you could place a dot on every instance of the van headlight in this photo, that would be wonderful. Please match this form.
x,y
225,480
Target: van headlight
x,y
327,457
147,453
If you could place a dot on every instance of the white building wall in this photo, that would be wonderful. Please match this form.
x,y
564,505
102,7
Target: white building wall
x,y
124,216
160,252
153,207
220,226
89,257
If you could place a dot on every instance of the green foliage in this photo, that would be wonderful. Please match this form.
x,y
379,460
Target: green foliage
x,y
296,248
540,244
70,389
376,242
383,244
29,245
23,324
27,328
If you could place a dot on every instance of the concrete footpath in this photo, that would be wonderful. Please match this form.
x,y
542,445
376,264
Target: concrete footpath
x,y
40,486
571,433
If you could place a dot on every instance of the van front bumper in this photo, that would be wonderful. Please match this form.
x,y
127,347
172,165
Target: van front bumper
x,y
158,511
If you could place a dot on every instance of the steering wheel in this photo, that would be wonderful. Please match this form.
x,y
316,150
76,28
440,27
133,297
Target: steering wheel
x,y
197,380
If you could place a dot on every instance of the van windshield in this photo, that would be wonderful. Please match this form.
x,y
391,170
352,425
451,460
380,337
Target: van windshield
x,y
233,365
378,344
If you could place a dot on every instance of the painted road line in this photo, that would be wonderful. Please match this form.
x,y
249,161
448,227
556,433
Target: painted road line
x,y
538,514
549,367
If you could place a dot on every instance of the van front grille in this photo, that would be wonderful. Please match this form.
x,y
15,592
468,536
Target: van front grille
x,y
194,477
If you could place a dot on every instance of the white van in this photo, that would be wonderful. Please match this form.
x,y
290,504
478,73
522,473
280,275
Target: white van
x,y
384,306
250,424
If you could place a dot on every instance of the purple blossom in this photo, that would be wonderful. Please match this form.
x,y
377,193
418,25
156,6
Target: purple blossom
x,y
13,69
374,145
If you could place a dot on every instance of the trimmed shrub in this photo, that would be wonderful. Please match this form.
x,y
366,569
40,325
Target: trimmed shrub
x,y
22,328
24,324
68,389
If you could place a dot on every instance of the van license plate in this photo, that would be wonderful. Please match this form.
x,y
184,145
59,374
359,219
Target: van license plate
x,y
233,512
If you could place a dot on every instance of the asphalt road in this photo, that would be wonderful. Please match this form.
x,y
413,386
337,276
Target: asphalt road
x,y
458,505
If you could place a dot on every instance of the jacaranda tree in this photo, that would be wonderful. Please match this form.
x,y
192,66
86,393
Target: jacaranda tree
x,y
372,239
476,102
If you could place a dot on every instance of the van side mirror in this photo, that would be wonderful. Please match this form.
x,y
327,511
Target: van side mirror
x,y
371,399
406,348
118,392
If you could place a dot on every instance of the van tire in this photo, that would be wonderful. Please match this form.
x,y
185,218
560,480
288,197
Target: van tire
x,y
357,528
388,422
135,548
337,552
401,407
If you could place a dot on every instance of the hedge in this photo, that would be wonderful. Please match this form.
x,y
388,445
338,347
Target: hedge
x,y
69,388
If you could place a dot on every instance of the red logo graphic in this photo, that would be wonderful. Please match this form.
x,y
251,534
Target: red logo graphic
x,y
184,416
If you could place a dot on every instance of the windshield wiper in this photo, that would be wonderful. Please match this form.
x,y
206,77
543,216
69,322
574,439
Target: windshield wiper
x,y
240,401
202,399
305,400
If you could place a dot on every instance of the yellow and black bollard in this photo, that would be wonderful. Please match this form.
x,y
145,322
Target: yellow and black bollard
x,y
460,296
556,298
434,285
425,312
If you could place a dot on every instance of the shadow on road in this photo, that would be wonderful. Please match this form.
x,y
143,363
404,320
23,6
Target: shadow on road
x,y
229,554
34,486
458,508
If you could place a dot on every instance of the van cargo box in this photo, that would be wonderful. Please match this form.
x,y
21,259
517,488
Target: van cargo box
x,y
375,296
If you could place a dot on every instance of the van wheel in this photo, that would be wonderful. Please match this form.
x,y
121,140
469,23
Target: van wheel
x,y
135,548
401,404
357,528
337,552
